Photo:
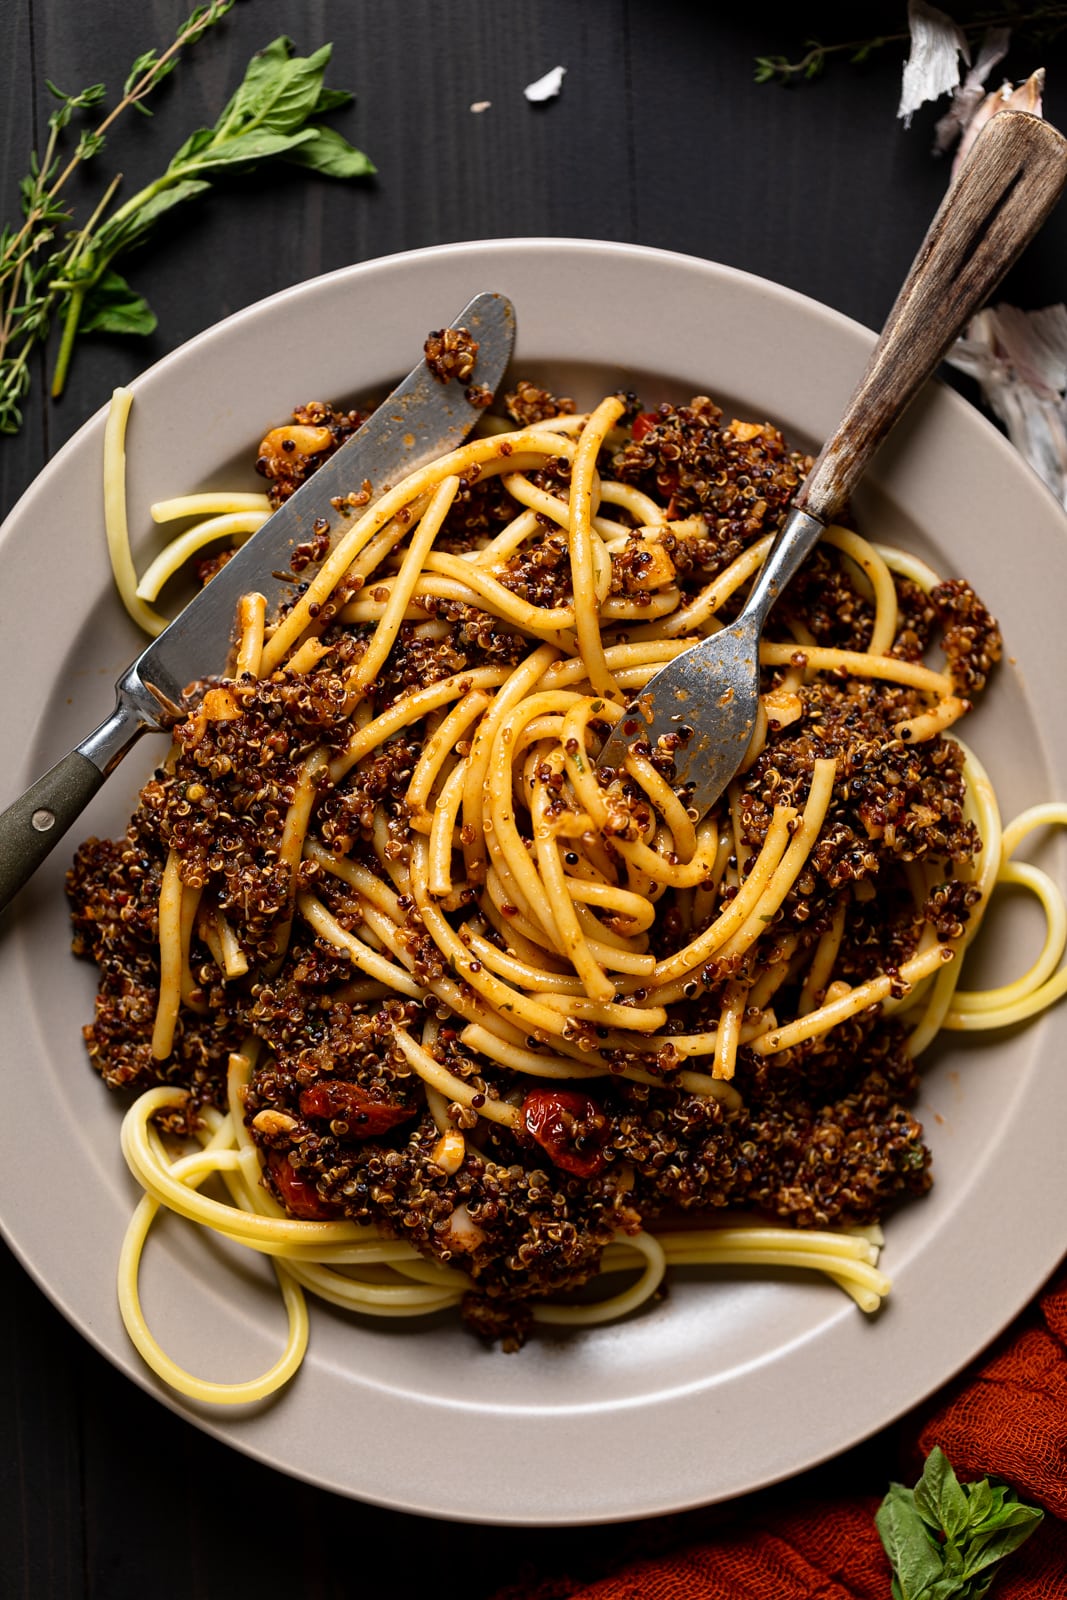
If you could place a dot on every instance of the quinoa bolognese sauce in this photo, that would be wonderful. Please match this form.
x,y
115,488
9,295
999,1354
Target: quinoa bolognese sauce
x,y
495,1003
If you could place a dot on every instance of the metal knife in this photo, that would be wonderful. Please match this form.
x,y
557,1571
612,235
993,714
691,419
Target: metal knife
x,y
422,419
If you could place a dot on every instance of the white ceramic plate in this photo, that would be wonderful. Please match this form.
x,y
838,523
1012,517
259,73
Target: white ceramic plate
x,y
734,1380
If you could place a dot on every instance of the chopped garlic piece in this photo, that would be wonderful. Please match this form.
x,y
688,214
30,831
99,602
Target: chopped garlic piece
x,y
449,1152
660,568
546,88
783,706
462,1233
219,705
269,1122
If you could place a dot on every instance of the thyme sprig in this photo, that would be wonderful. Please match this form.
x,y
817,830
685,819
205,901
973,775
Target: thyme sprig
x,y
780,69
53,271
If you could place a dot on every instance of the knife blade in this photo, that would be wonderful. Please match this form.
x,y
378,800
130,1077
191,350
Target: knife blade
x,y
420,420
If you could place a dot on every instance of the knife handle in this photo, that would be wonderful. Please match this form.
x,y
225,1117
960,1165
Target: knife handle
x,y
39,819
34,823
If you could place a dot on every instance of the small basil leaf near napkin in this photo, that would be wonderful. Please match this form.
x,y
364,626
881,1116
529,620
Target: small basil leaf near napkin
x,y
944,1539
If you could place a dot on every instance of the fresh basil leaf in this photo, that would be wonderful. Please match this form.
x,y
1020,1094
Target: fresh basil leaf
x,y
1000,1495
915,1558
947,1588
123,231
296,91
326,151
985,1548
330,100
256,145
981,1503
954,1588
279,92
192,147
1015,1514
252,92
939,1498
111,306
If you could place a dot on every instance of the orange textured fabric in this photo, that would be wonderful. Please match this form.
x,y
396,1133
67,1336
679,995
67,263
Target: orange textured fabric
x,y
1010,1416
1006,1417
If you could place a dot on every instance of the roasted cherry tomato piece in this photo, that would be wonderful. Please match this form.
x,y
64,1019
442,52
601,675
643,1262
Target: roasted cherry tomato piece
x,y
641,424
366,1116
300,1199
570,1127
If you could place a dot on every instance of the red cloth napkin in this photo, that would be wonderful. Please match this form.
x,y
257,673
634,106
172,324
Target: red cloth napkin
x,y
1006,1417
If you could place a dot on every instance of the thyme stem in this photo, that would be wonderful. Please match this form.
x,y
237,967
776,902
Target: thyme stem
x,y
809,65
71,318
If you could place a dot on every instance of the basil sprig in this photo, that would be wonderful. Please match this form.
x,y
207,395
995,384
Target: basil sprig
x,y
52,270
273,114
946,1538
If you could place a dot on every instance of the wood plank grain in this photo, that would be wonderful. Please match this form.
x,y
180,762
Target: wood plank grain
x,y
22,457
43,1371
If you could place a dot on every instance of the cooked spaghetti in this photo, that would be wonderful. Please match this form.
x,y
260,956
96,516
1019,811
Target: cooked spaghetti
x,y
461,1018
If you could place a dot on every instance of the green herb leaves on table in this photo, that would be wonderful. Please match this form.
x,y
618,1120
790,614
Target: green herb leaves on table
x,y
55,272
944,1538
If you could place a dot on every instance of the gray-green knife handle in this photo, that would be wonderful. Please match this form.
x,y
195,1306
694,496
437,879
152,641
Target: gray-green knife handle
x,y
34,823
39,818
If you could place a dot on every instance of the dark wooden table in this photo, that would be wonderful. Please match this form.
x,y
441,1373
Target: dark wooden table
x,y
660,137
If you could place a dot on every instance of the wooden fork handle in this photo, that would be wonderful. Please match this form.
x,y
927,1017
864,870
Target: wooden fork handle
x,y
999,199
